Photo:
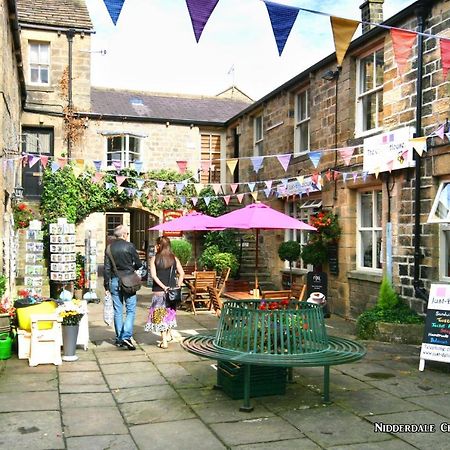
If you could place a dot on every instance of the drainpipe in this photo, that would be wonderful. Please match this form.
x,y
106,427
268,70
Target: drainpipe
x,y
70,35
421,13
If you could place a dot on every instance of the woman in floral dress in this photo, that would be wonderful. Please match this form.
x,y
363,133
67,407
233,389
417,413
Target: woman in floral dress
x,y
164,267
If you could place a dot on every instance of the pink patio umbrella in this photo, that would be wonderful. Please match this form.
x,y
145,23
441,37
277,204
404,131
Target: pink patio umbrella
x,y
194,221
259,216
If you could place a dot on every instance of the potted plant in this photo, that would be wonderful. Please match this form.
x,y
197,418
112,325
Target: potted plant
x,y
71,313
23,215
182,249
80,280
315,251
289,251
390,320
213,259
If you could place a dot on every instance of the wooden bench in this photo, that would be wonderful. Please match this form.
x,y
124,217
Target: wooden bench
x,y
294,336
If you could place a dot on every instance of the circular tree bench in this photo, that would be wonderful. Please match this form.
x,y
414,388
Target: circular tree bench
x,y
274,334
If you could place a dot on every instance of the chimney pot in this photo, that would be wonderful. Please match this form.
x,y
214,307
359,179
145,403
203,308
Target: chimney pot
x,y
371,11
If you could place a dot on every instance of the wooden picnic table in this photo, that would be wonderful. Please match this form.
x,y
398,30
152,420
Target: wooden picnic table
x,y
238,295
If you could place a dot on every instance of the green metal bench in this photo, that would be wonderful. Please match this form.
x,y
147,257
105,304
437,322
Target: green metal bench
x,y
292,335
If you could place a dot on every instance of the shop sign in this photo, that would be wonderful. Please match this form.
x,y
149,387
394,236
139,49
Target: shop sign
x,y
168,215
296,188
389,151
436,340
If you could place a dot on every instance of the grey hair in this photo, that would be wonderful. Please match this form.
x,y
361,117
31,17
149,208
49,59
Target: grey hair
x,y
120,231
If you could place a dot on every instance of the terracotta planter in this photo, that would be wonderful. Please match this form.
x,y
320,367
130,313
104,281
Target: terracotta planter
x,y
401,333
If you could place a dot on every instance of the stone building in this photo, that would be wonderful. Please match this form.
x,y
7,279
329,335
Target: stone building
x,y
326,108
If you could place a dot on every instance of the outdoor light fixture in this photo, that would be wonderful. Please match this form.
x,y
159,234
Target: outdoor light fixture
x,y
17,194
330,75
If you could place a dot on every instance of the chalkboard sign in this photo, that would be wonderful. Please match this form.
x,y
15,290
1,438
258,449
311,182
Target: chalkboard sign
x,y
436,340
318,282
333,261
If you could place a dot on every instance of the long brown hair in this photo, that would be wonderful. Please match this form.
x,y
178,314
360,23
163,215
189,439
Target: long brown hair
x,y
164,257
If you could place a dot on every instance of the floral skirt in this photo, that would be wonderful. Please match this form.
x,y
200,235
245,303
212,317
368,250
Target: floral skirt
x,y
160,318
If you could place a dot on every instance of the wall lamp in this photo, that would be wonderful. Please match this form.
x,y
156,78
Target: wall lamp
x,y
330,75
17,194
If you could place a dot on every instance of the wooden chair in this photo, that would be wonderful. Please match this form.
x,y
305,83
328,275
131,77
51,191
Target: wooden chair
x,y
222,279
45,345
189,269
276,295
237,286
298,291
199,288
215,300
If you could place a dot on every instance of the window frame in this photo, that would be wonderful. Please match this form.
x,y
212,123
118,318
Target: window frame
x,y
299,122
258,142
432,216
216,169
362,95
124,150
39,64
373,229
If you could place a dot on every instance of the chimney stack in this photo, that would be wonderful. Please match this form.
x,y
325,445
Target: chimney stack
x,y
371,11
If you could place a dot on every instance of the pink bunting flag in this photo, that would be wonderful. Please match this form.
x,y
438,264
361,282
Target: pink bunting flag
x,y
240,197
315,177
233,187
445,56
160,185
182,165
335,174
32,160
97,177
402,43
205,165
439,132
346,154
355,176
160,198
200,11
269,184
217,187
194,200
44,160
120,179
284,160
226,199
62,162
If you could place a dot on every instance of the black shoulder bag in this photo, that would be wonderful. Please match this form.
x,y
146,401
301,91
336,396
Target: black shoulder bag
x,y
173,294
129,284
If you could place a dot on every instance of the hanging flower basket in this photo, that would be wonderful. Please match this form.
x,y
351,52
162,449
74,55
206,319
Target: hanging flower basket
x,y
23,215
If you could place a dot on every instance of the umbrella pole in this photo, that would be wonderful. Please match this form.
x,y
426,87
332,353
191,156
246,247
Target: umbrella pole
x,y
256,265
195,251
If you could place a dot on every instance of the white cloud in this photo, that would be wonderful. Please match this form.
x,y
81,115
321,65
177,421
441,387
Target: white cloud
x,y
153,47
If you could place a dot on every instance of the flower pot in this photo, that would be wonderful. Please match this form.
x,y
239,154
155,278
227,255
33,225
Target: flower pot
x,y
78,294
70,334
5,346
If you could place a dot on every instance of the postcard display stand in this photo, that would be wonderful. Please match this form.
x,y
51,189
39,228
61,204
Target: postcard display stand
x,y
62,252
90,267
436,341
34,256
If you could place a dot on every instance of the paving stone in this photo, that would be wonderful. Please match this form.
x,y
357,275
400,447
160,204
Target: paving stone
x,y
35,430
82,400
141,394
92,421
373,401
203,371
29,401
291,444
186,382
125,380
28,382
332,425
296,398
228,411
394,444
81,378
436,441
151,411
172,356
267,429
361,369
182,434
16,366
438,403
131,367
409,387
338,382
77,388
120,355
171,370
80,366
121,442
197,396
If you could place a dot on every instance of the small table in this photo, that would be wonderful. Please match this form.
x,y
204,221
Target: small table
x,y
239,295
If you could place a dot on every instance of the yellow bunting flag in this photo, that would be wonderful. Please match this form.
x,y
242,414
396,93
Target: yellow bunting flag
x,y
254,194
419,144
343,31
77,171
231,164
198,187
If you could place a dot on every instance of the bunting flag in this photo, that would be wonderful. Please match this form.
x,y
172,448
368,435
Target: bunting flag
x,y
44,161
284,182
251,186
233,187
254,195
32,160
182,165
54,166
402,42
160,186
240,197
200,11
109,186
328,175
343,31
267,192
301,179
355,176
284,160
269,184
445,56
217,187
439,132
344,176
198,187
140,183
315,177
346,154
226,199
138,166
62,162
257,162
183,200
97,177
419,144
205,165
364,175
194,200
231,164
282,18
77,171
160,198
207,200
179,187
120,179
315,158
117,164
79,163
97,165
114,8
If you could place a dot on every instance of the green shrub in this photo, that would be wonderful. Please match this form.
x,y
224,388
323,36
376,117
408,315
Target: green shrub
x,y
289,251
225,241
387,297
182,250
3,281
207,258
224,260
314,253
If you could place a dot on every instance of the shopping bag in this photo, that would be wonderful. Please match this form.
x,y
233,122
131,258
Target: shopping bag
x,y
108,310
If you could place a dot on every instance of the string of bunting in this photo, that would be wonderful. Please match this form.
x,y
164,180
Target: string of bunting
x,y
282,19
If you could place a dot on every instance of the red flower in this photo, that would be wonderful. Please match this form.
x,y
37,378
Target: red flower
x,y
284,302
274,305
263,306
22,206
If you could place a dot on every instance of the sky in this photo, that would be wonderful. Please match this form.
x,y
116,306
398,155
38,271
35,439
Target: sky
x,y
152,48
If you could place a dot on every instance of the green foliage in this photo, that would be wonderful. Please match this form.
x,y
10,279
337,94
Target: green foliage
x,y
289,251
315,253
216,205
213,259
207,258
366,323
387,297
3,281
182,250
225,241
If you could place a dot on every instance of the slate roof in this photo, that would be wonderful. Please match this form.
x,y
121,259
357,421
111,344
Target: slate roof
x,y
56,13
164,107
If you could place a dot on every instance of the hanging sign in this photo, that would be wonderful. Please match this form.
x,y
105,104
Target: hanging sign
x,y
168,215
389,151
436,341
